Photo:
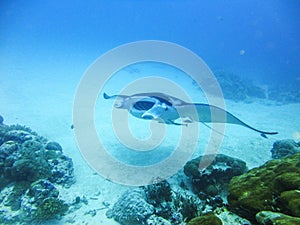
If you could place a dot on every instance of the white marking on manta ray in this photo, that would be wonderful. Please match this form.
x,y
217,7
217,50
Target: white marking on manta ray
x,y
167,109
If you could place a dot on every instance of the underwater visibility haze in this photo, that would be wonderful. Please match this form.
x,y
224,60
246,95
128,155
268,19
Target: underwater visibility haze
x,y
210,133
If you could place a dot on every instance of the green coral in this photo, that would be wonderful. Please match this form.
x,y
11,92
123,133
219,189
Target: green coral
x,y
207,219
51,208
260,188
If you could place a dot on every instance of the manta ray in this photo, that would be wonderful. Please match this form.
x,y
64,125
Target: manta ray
x,y
167,109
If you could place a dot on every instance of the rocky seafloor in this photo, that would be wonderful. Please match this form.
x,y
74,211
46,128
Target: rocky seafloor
x,y
33,170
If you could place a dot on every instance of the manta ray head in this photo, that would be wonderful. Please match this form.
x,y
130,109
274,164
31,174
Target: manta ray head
x,y
136,104
123,103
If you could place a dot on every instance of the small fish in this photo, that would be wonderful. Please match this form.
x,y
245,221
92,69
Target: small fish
x,y
167,109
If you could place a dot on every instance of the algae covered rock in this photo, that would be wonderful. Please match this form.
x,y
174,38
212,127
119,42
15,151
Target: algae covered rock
x,y
215,178
207,219
275,218
230,218
263,188
289,202
283,148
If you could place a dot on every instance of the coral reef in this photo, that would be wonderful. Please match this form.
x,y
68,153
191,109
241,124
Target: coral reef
x,y
175,206
131,208
238,89
41,202
267,195
30,167
285,92
25,156
156,202
214,179
51,208
187,205
283,148
271,187
275,218
157,220
158,193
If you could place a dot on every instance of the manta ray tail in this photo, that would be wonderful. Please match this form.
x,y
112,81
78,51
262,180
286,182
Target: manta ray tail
x,y
206,111
209,127
262,133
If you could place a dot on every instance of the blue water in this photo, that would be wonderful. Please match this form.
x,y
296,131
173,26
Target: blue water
x,y
46,48
51,38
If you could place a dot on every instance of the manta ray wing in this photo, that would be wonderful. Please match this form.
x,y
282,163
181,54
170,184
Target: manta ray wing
x,y
155,112
206,113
